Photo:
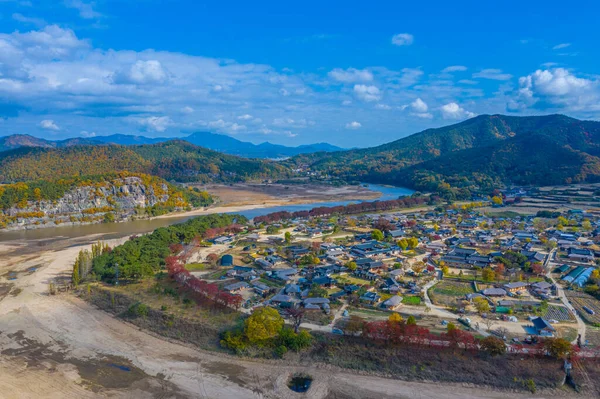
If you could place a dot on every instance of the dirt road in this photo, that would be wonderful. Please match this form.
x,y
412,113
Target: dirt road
x,y
61,347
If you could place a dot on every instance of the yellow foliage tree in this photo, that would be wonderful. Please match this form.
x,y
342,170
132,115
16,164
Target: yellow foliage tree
x,y
264,323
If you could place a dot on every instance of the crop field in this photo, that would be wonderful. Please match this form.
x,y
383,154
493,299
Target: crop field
x,y
581,299
447,292
559,313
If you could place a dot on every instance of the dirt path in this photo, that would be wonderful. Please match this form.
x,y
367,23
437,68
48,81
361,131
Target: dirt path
x,y
61,347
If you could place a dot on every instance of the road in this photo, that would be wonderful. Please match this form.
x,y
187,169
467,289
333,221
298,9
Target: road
x,y
548,265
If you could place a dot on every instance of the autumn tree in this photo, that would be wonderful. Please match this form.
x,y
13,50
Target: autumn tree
x,y
354,325
497,200
264,323
559,348
413,242
403,244
481,304
487,274
288,237
212,259
411,321
351,266
493,345
377,234
297,315
395,318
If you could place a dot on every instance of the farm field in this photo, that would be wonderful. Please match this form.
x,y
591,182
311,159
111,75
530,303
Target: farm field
x,y
559,313
447,292
581,299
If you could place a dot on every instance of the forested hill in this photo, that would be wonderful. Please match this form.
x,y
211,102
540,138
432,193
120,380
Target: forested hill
x,y
479,153
172,160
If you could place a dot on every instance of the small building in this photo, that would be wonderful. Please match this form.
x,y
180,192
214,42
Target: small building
x,y
515,287
236,287
392,303
226,260
543,327
498,292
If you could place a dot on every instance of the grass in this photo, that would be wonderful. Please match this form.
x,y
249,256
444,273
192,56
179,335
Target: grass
x,y
452,288
411,300
195,267
351,279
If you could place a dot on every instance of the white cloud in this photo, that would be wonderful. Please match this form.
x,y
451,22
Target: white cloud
x,y
187,109
86,10
48,124
454,68
383,106
454,111
142,72
419,106
29,20
85,133
402,39
351,75
493,74
245,117
561,45
367,93
557,88
353,125
346,102
157,123
468,81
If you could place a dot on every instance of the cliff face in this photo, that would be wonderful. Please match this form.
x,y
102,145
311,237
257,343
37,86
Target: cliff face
x,y
108,201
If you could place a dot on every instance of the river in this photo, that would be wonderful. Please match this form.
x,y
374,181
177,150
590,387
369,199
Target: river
x,y
115,230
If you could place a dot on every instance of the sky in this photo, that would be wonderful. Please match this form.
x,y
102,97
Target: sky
x,y
354,74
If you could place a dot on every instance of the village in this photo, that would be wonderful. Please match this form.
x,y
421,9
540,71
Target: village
x,y
518,278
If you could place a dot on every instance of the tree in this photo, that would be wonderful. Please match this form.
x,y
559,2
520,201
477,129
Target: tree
x,y
418,267
586,225
481,304
264,323
75,277
497,200
288,237
411,321
493,345
499,271
297,315
317,291
559,348
445,270
537,268
351,265
451,327
272,229
488,274
413,242
377,234
37,194
354,325
403,244
395,317
212,259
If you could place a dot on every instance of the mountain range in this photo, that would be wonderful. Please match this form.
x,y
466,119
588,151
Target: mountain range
x,y
481,153
476,155
216,142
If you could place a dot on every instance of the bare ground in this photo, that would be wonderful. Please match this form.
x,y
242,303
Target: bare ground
x,y
62,347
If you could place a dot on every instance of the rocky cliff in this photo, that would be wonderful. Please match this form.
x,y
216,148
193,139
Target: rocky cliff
x,y
112,200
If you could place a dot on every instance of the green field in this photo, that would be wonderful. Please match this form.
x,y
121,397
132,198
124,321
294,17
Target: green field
x,y
411,300
452,288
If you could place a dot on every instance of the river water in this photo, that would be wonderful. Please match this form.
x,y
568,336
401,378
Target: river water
x,y
114,230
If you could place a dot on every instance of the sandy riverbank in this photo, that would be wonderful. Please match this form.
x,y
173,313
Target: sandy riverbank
x,y
61,347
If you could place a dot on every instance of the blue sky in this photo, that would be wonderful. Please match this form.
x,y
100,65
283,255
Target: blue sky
x,y
349,73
